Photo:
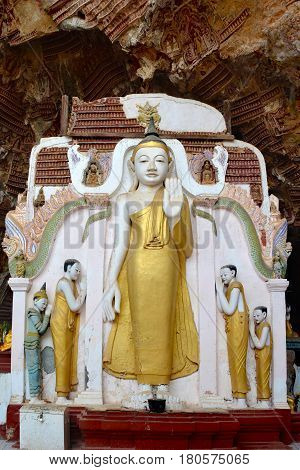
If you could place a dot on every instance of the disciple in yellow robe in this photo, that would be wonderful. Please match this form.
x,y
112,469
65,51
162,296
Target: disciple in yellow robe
x,y
154,338
237,329
263,364
65,330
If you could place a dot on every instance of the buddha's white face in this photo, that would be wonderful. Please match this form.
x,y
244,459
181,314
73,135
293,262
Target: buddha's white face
x,y
74,271
259,316
151,165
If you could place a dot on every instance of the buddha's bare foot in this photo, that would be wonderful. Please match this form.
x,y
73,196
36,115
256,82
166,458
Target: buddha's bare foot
x,y
239,404
63,401
263,404
36,401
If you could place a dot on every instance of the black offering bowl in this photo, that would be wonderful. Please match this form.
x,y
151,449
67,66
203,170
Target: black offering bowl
x,y
157,405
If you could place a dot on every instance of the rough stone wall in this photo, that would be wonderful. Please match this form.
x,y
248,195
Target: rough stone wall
x,y
238,56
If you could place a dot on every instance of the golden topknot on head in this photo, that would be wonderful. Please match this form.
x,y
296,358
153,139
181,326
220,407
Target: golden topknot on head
x,y
151,140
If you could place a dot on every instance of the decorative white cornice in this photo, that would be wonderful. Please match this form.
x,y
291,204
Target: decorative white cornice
x,y
19,284
277,285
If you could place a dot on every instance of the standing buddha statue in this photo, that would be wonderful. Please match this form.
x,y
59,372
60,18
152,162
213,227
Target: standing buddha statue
x,y
153,337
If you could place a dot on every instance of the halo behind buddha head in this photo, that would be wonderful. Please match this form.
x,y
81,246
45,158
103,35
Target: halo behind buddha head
x,y
151,139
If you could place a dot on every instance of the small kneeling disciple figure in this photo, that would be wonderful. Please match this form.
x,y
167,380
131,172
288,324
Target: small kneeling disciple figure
x,y
232,302
261,341
69,298
36,325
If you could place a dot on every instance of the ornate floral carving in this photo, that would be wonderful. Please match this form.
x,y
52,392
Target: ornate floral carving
x,y
97,200
242,196
146,112
11,245
34,229
18,215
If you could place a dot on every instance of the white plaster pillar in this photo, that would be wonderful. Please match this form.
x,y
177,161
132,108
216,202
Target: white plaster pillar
x,y
277,288
93,327
20,286
207,310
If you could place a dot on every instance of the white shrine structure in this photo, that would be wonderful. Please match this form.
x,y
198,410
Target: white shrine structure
x,y
233,223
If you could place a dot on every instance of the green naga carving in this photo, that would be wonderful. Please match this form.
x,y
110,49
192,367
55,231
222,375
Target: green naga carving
x,y
35,266
93,218
253,242
205,215
254,245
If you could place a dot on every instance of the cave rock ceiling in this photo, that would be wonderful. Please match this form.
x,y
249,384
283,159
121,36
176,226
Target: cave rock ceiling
x,y
240,57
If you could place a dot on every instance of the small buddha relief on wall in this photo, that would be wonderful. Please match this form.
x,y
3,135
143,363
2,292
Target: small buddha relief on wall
x,y
93,174
202,168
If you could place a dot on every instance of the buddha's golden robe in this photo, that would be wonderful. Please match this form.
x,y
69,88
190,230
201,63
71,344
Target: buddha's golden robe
x,y
237,329
65,331
154,338
263,359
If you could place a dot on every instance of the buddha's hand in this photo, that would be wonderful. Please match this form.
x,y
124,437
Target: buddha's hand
x,y
111,302
173,199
